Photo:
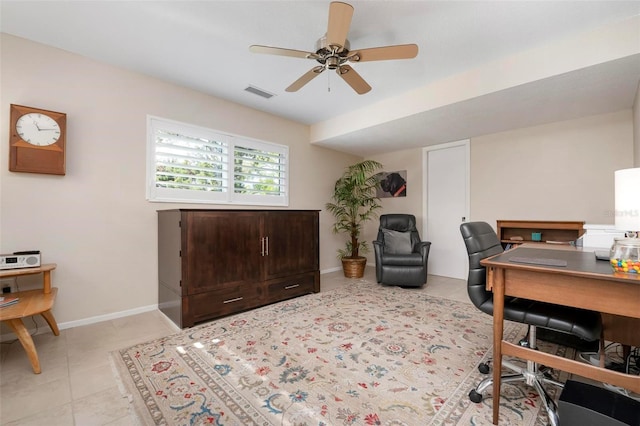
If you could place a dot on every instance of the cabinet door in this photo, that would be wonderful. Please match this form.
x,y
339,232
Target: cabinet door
x,y
292,243
222,249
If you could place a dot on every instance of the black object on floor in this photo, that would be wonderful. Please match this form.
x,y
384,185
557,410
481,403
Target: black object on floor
x,y
588,405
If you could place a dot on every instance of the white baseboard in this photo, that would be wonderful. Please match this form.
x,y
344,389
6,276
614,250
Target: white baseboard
x,y
85,321
326,271
107,317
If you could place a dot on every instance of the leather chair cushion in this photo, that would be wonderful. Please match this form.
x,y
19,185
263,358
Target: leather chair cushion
x,y
410,259
396,242
579,322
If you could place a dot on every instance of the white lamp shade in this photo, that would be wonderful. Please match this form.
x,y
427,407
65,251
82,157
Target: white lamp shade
x,y
627,198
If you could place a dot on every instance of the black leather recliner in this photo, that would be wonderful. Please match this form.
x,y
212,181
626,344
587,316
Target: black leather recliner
x,y
401,256
481,242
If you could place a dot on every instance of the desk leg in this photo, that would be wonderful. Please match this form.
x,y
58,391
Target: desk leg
x,y
48,316
498,326
21,331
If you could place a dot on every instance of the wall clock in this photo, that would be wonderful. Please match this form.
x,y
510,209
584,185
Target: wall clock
x,y
37,140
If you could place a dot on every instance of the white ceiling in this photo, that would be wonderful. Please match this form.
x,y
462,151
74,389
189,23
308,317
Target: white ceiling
x,y
204,45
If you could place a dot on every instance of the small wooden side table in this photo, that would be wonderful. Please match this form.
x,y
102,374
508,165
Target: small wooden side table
x,y
32,302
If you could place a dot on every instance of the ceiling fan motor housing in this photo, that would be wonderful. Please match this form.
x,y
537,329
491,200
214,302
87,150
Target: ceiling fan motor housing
x,y
332,56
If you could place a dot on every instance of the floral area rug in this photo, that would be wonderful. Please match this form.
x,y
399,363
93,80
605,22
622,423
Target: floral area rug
x,y
362,355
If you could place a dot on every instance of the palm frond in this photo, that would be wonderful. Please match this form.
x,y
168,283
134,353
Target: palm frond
x,y
354,203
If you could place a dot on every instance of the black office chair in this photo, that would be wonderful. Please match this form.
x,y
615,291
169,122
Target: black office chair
x,y
481,242
401,257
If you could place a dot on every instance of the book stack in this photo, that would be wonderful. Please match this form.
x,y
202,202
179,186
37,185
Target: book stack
x,y
8,301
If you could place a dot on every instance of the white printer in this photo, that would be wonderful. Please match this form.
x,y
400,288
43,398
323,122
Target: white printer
x,y
600,236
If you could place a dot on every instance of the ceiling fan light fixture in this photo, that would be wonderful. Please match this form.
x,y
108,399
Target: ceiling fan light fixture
x,y
333,62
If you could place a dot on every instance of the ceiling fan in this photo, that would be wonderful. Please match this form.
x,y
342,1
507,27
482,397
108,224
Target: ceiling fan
x,y
333,52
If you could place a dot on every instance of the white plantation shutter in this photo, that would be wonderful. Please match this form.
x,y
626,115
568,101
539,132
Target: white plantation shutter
x,y
259,170
191,164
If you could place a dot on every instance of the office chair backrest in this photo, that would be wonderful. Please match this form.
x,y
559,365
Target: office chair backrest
x,y
481,242
401,223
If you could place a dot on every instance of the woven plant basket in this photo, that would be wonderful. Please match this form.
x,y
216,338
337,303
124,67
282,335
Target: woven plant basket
x,y
354,267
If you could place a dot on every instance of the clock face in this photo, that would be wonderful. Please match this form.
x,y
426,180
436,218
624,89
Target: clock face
x,y
38,129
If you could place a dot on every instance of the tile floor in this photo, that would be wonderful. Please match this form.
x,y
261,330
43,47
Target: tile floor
x,y
77,385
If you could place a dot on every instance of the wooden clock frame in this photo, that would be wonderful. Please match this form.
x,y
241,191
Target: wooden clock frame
x,y
28,158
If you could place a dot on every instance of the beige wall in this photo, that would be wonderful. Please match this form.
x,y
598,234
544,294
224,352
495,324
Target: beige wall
x,y
558,171
95,222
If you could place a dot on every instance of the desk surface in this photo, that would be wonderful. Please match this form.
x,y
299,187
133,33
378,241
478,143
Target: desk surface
x,y
579,263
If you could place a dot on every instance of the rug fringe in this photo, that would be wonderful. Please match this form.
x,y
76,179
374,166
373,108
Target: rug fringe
x,y
133,416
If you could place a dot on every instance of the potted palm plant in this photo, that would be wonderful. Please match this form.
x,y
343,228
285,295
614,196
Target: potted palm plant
x,y
354,202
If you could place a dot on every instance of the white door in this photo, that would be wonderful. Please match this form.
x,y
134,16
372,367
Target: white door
x,y
446,174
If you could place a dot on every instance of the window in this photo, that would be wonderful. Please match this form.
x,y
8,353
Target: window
x,y
192,164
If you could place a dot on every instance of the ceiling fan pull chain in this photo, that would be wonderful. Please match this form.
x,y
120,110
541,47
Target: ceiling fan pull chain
x,y
328,82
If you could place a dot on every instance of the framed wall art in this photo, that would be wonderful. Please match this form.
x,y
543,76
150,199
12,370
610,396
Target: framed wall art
x,y
392,184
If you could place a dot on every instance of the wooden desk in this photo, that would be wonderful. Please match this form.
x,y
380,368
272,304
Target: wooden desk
x,y
32,302
584,283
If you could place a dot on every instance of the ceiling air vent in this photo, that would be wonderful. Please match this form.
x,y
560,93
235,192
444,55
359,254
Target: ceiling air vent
x,y
259,92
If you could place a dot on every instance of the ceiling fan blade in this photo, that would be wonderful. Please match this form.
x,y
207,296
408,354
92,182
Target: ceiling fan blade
x,y
353,79
340,15
282,52
401,51
307,77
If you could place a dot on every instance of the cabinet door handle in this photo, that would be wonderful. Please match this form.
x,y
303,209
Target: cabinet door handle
x,y
289,287
233,300
261,246
267,246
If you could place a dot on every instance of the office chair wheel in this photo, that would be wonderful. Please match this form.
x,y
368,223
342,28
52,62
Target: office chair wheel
x,y
484,368
475,396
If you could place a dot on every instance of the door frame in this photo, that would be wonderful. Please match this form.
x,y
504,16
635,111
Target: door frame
x,y
466,144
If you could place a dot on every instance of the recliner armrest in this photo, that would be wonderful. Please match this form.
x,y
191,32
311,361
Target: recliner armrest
x,y
423,248
378,248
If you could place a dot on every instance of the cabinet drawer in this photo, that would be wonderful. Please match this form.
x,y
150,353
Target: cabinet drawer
x,y
290,287
222,302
